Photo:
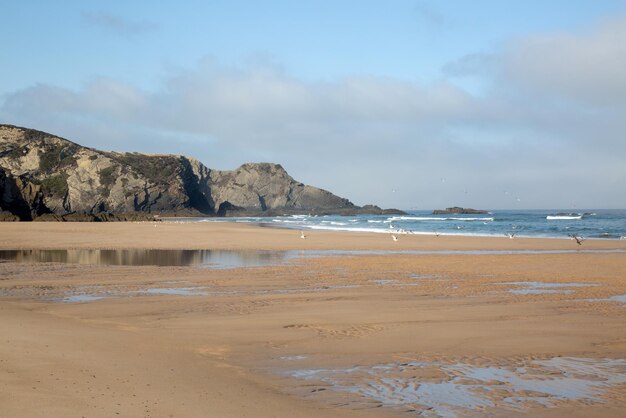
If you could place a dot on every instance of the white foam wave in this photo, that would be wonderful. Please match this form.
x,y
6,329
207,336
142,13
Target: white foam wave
x,y
433,218
348,229
287,221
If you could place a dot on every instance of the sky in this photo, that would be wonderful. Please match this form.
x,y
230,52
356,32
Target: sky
x,y
408,104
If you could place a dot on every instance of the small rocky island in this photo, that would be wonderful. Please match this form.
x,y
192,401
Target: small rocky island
x,y
45,177
456,210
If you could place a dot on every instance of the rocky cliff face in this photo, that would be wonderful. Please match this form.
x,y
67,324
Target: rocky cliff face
x,y
43,174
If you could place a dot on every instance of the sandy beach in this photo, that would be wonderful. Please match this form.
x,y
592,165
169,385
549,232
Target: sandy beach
x,y
338,334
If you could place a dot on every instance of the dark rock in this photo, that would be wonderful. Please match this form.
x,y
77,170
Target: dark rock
x,y
459,211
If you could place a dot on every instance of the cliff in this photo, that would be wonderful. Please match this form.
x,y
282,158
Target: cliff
x,y
42,175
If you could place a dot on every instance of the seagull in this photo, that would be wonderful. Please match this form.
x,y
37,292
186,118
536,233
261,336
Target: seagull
x,y
436,233
511,236
393,237
302,235
579,240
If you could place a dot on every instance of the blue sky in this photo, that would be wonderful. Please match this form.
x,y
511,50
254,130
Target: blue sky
x,y
446,103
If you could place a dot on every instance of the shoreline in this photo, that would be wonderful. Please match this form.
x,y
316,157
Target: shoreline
x,y
422,233
249,236
352,228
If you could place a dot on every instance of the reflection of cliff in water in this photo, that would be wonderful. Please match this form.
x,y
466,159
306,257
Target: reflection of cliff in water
x,y
147,257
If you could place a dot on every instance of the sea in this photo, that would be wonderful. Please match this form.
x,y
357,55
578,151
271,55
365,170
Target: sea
x,y
588,223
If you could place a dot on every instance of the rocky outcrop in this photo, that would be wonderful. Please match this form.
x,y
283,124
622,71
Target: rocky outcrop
x,y
42,174
459,211
20,199
265,186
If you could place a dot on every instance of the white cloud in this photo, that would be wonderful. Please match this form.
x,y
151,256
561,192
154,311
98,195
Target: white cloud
x,y
589,67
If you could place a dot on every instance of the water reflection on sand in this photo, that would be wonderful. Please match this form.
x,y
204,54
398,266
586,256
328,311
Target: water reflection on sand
x,y
220,258
148,257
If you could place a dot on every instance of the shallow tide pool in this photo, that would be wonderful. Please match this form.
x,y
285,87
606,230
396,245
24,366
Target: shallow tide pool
x,y
537,288
435,389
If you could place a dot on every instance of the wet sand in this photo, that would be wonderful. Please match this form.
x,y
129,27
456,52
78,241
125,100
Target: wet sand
x,y
358,336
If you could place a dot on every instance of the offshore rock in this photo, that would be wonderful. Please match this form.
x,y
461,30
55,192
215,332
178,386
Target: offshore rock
x,y
456,210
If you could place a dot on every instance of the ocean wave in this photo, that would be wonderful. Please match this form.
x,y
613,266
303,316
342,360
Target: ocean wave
x,y
349,229
433,218
605,226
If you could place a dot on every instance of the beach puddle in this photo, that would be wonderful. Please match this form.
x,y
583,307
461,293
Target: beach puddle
x,y
293,358
391,282
91,294
618,298
149,257
83,298
219,259
95,295
455,389
538,288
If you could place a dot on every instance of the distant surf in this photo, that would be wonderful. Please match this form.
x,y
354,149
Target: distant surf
x,y
599,224
432,218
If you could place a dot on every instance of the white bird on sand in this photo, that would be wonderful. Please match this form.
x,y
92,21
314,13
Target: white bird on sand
x,y
302,235
511,236
393,237
436,233
579,240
